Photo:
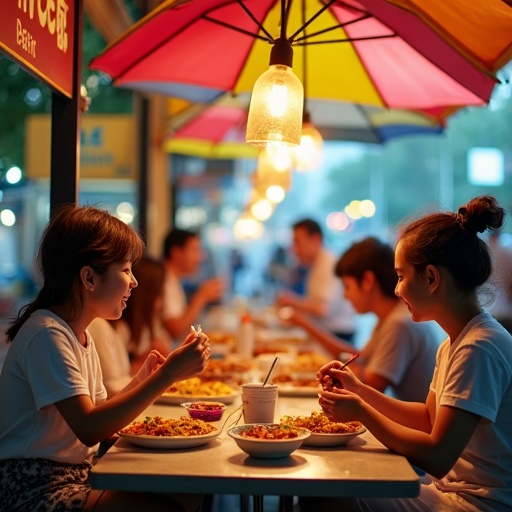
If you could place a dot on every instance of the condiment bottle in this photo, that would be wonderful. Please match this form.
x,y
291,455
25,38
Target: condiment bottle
x,y
245,342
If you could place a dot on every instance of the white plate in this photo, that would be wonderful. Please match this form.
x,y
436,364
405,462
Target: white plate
x,y
331,439
166,442
290,390
267,448
175,399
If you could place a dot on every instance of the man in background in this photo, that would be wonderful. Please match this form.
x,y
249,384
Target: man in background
x,y
183,255
323,297
400,355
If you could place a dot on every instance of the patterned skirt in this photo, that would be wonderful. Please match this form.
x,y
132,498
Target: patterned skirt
x,y
33,485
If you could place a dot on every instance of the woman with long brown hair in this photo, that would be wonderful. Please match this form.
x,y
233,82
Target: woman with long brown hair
x,y
52,398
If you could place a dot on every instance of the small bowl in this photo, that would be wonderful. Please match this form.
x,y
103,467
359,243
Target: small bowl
x,y
267,448
206,411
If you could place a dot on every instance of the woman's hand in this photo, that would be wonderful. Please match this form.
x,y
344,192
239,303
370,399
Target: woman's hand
x,y
151,363
331,377
161,346
341,405
189,359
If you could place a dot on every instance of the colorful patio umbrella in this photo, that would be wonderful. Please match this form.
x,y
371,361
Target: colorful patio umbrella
x,y
217,130
393,53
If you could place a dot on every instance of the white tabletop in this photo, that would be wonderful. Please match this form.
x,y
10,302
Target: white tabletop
x,y
361,468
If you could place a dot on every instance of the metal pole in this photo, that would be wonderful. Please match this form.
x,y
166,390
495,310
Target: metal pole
x,y
143,188
65,141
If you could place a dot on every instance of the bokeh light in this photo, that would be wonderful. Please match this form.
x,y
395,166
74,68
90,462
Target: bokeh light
x,y
7,217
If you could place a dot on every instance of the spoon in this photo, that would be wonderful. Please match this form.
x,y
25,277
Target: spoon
x,y
270,371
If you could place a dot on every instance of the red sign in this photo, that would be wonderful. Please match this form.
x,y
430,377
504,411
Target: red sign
x,y
39,35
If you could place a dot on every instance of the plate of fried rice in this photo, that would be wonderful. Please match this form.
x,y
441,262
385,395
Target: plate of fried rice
x,y
325,432
160,433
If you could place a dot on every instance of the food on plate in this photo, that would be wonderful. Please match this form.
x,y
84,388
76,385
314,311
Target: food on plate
x,y
198,387
158,426
270,348
308,362
271,432
222,338
206,411
319,423
286,378
226,369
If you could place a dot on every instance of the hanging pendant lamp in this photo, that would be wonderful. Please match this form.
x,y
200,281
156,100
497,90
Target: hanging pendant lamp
x,y
275,111
308,155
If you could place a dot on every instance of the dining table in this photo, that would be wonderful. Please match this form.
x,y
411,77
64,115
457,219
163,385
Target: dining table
x,y
361,468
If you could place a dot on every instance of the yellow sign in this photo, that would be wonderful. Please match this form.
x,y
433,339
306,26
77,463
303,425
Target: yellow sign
x,y
107,147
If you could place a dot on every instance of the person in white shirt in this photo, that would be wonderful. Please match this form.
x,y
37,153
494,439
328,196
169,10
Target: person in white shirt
x,y
183,255
400,355
112,348
462,435
323,299
52,398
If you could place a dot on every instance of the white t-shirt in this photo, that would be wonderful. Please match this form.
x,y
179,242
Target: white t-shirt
x,y
175,300
475,374
403,352
323,285
45,364
112,347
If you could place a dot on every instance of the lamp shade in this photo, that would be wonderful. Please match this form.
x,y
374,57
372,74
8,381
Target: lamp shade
x,y
308,155
270,182
275,112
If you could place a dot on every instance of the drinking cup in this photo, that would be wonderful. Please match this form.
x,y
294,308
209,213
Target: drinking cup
x,y
259,402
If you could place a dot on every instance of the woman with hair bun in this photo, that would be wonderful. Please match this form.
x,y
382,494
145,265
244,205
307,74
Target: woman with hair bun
x,y
462,435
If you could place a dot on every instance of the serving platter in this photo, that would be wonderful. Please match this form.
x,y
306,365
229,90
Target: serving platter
x,y
169,442
178,399
316,439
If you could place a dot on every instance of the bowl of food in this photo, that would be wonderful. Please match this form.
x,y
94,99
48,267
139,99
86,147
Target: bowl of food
x,y
268,440
206,411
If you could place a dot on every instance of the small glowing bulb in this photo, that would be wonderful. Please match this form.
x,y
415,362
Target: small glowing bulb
x,y
275,193
262,209
279,157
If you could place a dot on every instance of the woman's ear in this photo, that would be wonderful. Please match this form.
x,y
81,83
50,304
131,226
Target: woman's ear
x,y
88,278
433,277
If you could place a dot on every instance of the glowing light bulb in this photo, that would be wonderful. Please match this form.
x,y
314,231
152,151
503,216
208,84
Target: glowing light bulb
x,y
275,112
309,153
275,193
